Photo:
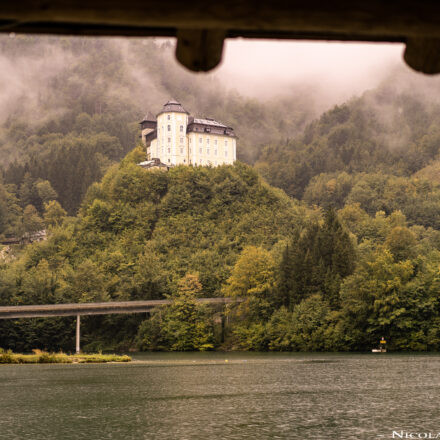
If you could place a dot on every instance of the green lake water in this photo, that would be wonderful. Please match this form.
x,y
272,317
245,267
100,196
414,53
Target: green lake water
x,y
224,396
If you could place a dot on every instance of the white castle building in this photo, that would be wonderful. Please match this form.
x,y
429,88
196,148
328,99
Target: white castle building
x,y
174,137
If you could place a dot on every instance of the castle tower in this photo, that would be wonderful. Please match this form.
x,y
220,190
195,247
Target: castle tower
x,y
172,145
148,131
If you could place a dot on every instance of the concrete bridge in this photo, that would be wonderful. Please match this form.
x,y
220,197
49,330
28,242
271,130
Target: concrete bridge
x,y
103,308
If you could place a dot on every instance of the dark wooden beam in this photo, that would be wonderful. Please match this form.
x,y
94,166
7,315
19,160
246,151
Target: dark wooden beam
x,y
357,18
201,24
200,49
422,54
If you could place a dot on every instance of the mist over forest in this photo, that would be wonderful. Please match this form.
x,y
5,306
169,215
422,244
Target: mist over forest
x,y
329,224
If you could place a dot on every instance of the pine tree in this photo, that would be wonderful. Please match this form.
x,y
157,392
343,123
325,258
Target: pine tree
x,y
316,260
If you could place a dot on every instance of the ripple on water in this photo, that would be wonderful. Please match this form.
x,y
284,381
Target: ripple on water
x,y
255,396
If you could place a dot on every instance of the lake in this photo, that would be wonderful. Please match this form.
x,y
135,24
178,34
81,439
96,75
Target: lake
x,y
224,396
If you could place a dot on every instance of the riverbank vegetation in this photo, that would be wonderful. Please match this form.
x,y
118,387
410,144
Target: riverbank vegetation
x,y
43,357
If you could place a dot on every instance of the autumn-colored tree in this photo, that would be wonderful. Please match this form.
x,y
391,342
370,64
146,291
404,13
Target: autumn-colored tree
x,y
53,213
184,325
401,242
252,279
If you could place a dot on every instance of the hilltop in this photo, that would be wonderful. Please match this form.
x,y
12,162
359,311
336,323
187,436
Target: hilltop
x,y
76,110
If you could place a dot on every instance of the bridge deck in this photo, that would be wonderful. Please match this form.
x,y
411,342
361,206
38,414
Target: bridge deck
x,y
35,311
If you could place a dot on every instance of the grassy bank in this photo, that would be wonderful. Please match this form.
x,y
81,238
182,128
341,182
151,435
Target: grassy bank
x,y
43,357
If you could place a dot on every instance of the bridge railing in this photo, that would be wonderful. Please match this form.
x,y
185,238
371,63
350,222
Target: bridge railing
x,y
102,308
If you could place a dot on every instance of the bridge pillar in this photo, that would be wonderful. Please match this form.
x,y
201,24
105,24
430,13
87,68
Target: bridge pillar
x,y
78,324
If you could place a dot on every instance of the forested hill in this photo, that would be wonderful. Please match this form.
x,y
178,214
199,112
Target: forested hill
x,y
71,106
70,114
139,233
393,130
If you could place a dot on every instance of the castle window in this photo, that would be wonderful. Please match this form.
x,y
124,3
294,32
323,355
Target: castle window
x,y
168,117
226,153
184,160
169,161
181,140
200,140
181,150
215,152
226,143
207,151
201,150
181,128
215,142
169,150
207,140
169,127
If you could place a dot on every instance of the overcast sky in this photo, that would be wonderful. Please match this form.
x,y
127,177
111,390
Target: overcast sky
x,y
266,66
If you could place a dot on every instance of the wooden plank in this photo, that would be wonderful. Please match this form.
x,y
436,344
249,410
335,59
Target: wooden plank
x,y
202,25
388,19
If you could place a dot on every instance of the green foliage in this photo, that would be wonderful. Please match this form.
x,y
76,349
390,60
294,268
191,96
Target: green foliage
x,y
138,233
401,242
10,211
315,261
183,325
252,280
54,214
43,357
32,222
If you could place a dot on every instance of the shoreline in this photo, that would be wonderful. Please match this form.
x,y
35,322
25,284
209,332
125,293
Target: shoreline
x,y
43,357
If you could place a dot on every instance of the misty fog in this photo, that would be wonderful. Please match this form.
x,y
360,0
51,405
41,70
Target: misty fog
x,y
329,73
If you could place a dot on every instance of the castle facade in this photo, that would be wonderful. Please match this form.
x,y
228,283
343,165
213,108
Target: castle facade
x,y
174,137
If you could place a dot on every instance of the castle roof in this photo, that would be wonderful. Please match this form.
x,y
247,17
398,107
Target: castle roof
x,y
173,106
209,121
209,125
149,117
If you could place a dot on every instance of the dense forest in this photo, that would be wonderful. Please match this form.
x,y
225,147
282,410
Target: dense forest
x,y
327,228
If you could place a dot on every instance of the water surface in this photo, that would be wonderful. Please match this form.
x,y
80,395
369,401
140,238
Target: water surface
x,y
224,396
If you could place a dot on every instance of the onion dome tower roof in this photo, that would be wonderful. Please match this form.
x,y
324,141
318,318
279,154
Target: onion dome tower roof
x,y
173,106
